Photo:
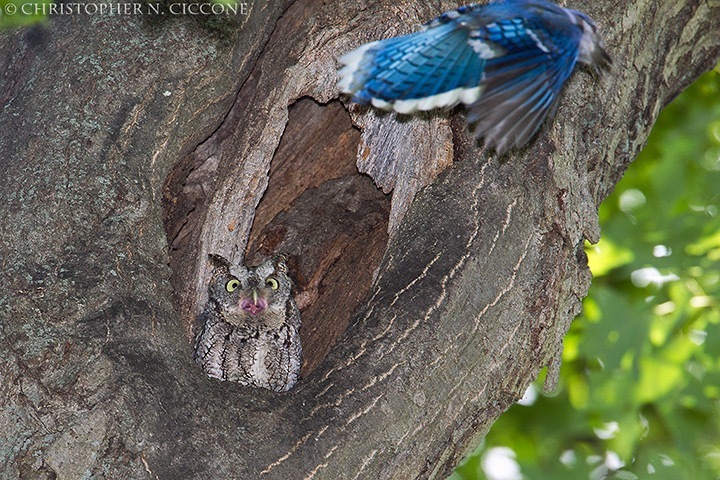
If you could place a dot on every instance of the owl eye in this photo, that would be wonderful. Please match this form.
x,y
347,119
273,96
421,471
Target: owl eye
x,y
232,285
272,283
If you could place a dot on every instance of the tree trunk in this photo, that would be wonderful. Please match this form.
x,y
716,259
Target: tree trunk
x,y
133,146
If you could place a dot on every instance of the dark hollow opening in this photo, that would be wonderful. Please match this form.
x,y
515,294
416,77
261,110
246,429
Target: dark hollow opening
x,y
330,219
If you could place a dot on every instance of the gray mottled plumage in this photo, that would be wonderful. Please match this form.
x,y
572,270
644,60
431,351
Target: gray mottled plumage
x,y
248,331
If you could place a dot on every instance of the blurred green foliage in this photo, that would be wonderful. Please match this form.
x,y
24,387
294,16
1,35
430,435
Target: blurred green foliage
x,y
639,393
226,2
15,13
20,13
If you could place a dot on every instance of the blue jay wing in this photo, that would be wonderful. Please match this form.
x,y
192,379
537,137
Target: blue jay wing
x,y
432,68
506,60
519,91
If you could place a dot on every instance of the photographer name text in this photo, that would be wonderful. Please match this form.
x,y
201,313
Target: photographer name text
x,y
70,8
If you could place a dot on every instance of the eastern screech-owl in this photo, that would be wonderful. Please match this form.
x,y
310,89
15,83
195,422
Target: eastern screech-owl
x,y
248,331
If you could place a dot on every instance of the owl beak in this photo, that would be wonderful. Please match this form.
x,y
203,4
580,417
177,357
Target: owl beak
x,y
255,305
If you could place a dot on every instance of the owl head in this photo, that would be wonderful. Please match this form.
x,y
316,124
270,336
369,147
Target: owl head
x,y
251,295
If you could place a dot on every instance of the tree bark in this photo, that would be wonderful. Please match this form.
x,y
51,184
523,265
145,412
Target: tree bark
x,y
133,146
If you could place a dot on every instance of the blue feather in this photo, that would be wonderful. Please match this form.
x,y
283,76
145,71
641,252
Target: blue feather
x,y
413,67
507,61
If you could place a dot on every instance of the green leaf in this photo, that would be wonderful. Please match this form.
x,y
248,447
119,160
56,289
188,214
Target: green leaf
x,y
15,13
640,380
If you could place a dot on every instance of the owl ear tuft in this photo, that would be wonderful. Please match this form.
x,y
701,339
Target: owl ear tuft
x,y
218,261
280,262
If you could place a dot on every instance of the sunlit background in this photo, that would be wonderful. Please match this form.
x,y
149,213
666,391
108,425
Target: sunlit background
x,y
639,393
